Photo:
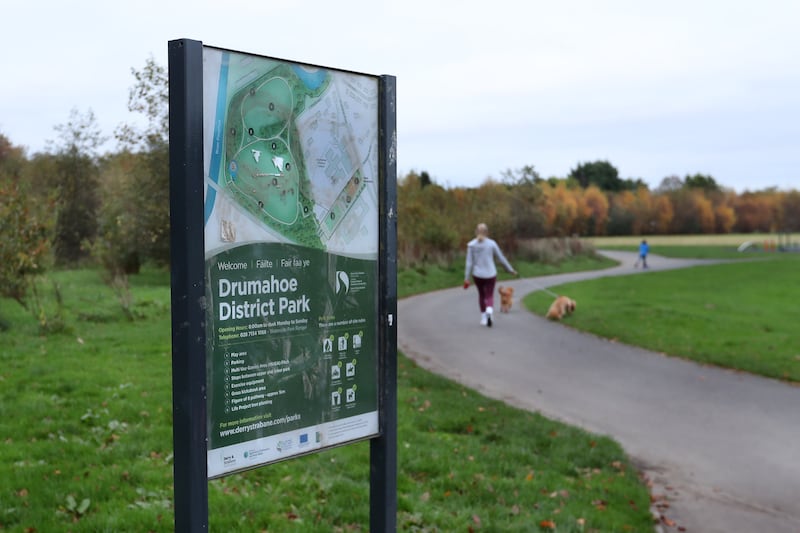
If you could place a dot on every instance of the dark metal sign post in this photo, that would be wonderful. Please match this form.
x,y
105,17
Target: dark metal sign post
x,y
210,437
188,290
383,449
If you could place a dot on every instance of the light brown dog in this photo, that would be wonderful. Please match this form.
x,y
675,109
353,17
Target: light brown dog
x,y
561,307
506,298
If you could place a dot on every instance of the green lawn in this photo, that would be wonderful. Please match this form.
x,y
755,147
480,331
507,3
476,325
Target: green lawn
x,y
741,315
732,240
86,441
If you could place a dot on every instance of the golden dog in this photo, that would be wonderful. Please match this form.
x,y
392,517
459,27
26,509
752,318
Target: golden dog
x,y
506,298
561,307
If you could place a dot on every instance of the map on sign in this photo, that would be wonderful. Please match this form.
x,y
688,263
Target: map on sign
x,y
294,155
291,249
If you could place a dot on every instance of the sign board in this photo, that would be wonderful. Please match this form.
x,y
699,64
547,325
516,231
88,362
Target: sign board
x,y
283,232
291,258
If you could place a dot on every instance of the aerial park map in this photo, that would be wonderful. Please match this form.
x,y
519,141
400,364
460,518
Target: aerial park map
x,y
291,240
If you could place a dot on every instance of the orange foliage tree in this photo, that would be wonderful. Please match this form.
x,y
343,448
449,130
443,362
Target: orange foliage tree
x,y
436,223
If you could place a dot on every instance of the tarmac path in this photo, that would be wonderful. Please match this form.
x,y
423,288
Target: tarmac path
x,y
721,447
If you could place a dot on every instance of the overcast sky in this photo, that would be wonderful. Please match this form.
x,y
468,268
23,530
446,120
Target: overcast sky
x,y
655,88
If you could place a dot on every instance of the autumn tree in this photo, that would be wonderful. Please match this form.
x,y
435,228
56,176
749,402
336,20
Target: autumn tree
x,y
426,228
25,231
754,213
669,184
663,214
693,212
560,209
643,212
621,213
592,211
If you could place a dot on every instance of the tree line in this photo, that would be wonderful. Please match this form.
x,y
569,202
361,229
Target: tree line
x,y
71,205
436,222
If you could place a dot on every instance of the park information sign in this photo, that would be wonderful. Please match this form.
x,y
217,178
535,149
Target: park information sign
x,y
283,235
291,258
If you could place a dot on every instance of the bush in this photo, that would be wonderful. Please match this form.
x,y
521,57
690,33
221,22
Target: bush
x,y
24,242
553,250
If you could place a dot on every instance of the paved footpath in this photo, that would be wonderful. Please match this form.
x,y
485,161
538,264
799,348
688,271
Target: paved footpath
x,y
723,447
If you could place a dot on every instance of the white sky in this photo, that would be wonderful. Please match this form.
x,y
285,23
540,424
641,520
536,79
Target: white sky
x,y
656,88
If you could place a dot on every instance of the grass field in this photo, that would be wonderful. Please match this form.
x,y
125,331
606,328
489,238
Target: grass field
x,y
728,240
740,315
86,441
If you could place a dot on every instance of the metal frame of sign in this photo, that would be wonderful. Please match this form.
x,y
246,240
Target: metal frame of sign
x,y
202,371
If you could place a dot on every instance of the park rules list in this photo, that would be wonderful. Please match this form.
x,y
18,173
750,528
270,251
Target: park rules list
x,y
283,191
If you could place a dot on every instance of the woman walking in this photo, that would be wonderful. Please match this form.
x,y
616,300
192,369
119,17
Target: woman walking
x,y
481,253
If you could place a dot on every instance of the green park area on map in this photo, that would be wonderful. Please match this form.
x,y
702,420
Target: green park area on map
x,y
264,170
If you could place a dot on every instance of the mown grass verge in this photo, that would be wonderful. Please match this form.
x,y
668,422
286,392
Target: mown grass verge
x,y
739,315
86,442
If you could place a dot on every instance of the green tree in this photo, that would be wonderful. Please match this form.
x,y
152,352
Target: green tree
x,y
701,181
134,218
525,185
789,218
76,158
12,158
425,179
149,96
600,173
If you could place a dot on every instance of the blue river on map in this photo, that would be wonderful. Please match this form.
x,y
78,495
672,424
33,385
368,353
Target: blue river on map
x,y
312,80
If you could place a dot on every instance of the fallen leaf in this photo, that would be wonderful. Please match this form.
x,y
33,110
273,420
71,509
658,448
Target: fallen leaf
x,y
547,524
600,505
